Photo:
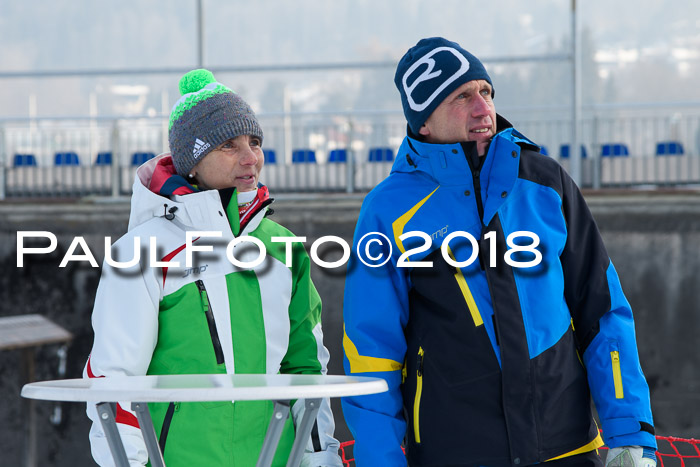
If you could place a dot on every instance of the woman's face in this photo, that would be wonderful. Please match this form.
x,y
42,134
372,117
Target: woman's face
x,y
234,163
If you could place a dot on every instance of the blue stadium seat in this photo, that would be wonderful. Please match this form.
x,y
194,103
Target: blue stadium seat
x,y
303,156
66,158
614,150
338,155
24,160
104,158
139,158
669,148
564,151
544,151
381,155
270,156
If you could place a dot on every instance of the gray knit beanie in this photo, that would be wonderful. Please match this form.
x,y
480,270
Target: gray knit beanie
x,y
207,114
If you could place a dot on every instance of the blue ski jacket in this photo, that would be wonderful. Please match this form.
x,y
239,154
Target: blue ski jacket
x,y
493,351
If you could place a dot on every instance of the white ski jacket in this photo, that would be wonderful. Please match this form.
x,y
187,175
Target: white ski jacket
x,y
266,319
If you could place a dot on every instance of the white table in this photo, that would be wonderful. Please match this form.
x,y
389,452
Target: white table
x,y
139,390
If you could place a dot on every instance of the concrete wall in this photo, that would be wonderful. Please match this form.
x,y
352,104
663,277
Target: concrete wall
x,y
653,239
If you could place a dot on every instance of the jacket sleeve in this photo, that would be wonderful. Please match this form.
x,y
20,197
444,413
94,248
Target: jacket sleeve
x,y
604,328
125,323
375,314
306,354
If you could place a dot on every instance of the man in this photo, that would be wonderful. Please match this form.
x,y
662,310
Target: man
x,y
493,348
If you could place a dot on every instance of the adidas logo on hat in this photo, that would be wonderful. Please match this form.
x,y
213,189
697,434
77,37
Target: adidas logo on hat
x,y
199,147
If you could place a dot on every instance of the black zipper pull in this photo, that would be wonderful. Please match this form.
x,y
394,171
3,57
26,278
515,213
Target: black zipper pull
x,y
169,213
419,365
203,295
410,161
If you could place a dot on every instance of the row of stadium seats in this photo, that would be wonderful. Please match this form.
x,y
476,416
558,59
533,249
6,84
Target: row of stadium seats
x,y
379,154
336,155
71,158
664,148
138,158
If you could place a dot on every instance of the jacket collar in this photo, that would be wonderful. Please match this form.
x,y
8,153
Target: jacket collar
x,y
157,190
447,165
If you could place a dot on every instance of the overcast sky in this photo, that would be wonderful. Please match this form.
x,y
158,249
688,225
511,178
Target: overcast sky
x,y
636,50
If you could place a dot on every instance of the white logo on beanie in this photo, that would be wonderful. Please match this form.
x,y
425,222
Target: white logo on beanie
x,y
199,147
429,74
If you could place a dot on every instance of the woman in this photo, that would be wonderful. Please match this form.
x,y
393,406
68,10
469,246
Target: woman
x,y
210,316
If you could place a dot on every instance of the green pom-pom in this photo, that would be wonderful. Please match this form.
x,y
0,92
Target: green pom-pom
x,y
195,80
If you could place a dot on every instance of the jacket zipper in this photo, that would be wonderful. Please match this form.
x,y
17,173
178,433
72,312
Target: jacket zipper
x,y
476,172
617,373
477,193
210,321
172,408
419,391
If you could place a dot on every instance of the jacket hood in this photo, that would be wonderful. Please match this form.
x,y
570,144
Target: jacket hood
x,y
145,204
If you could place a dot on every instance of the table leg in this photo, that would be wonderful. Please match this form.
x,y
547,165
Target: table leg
x,y
280,414
149,433
30,456
109,425
311,407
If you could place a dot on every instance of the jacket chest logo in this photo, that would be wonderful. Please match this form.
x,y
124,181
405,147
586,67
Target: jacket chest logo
x,y
195,270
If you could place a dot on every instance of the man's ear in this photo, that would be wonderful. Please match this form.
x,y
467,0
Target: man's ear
x,y
424,130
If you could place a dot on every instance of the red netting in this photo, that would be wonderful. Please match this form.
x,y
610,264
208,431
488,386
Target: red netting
x,y
344,447
673,452
676,452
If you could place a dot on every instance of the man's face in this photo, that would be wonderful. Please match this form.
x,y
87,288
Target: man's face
x,y
468,114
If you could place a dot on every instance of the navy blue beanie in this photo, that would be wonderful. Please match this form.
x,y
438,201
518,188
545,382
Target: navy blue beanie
x,y
429,72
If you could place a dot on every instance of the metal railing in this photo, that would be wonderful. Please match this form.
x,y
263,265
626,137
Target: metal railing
x,y
102,150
